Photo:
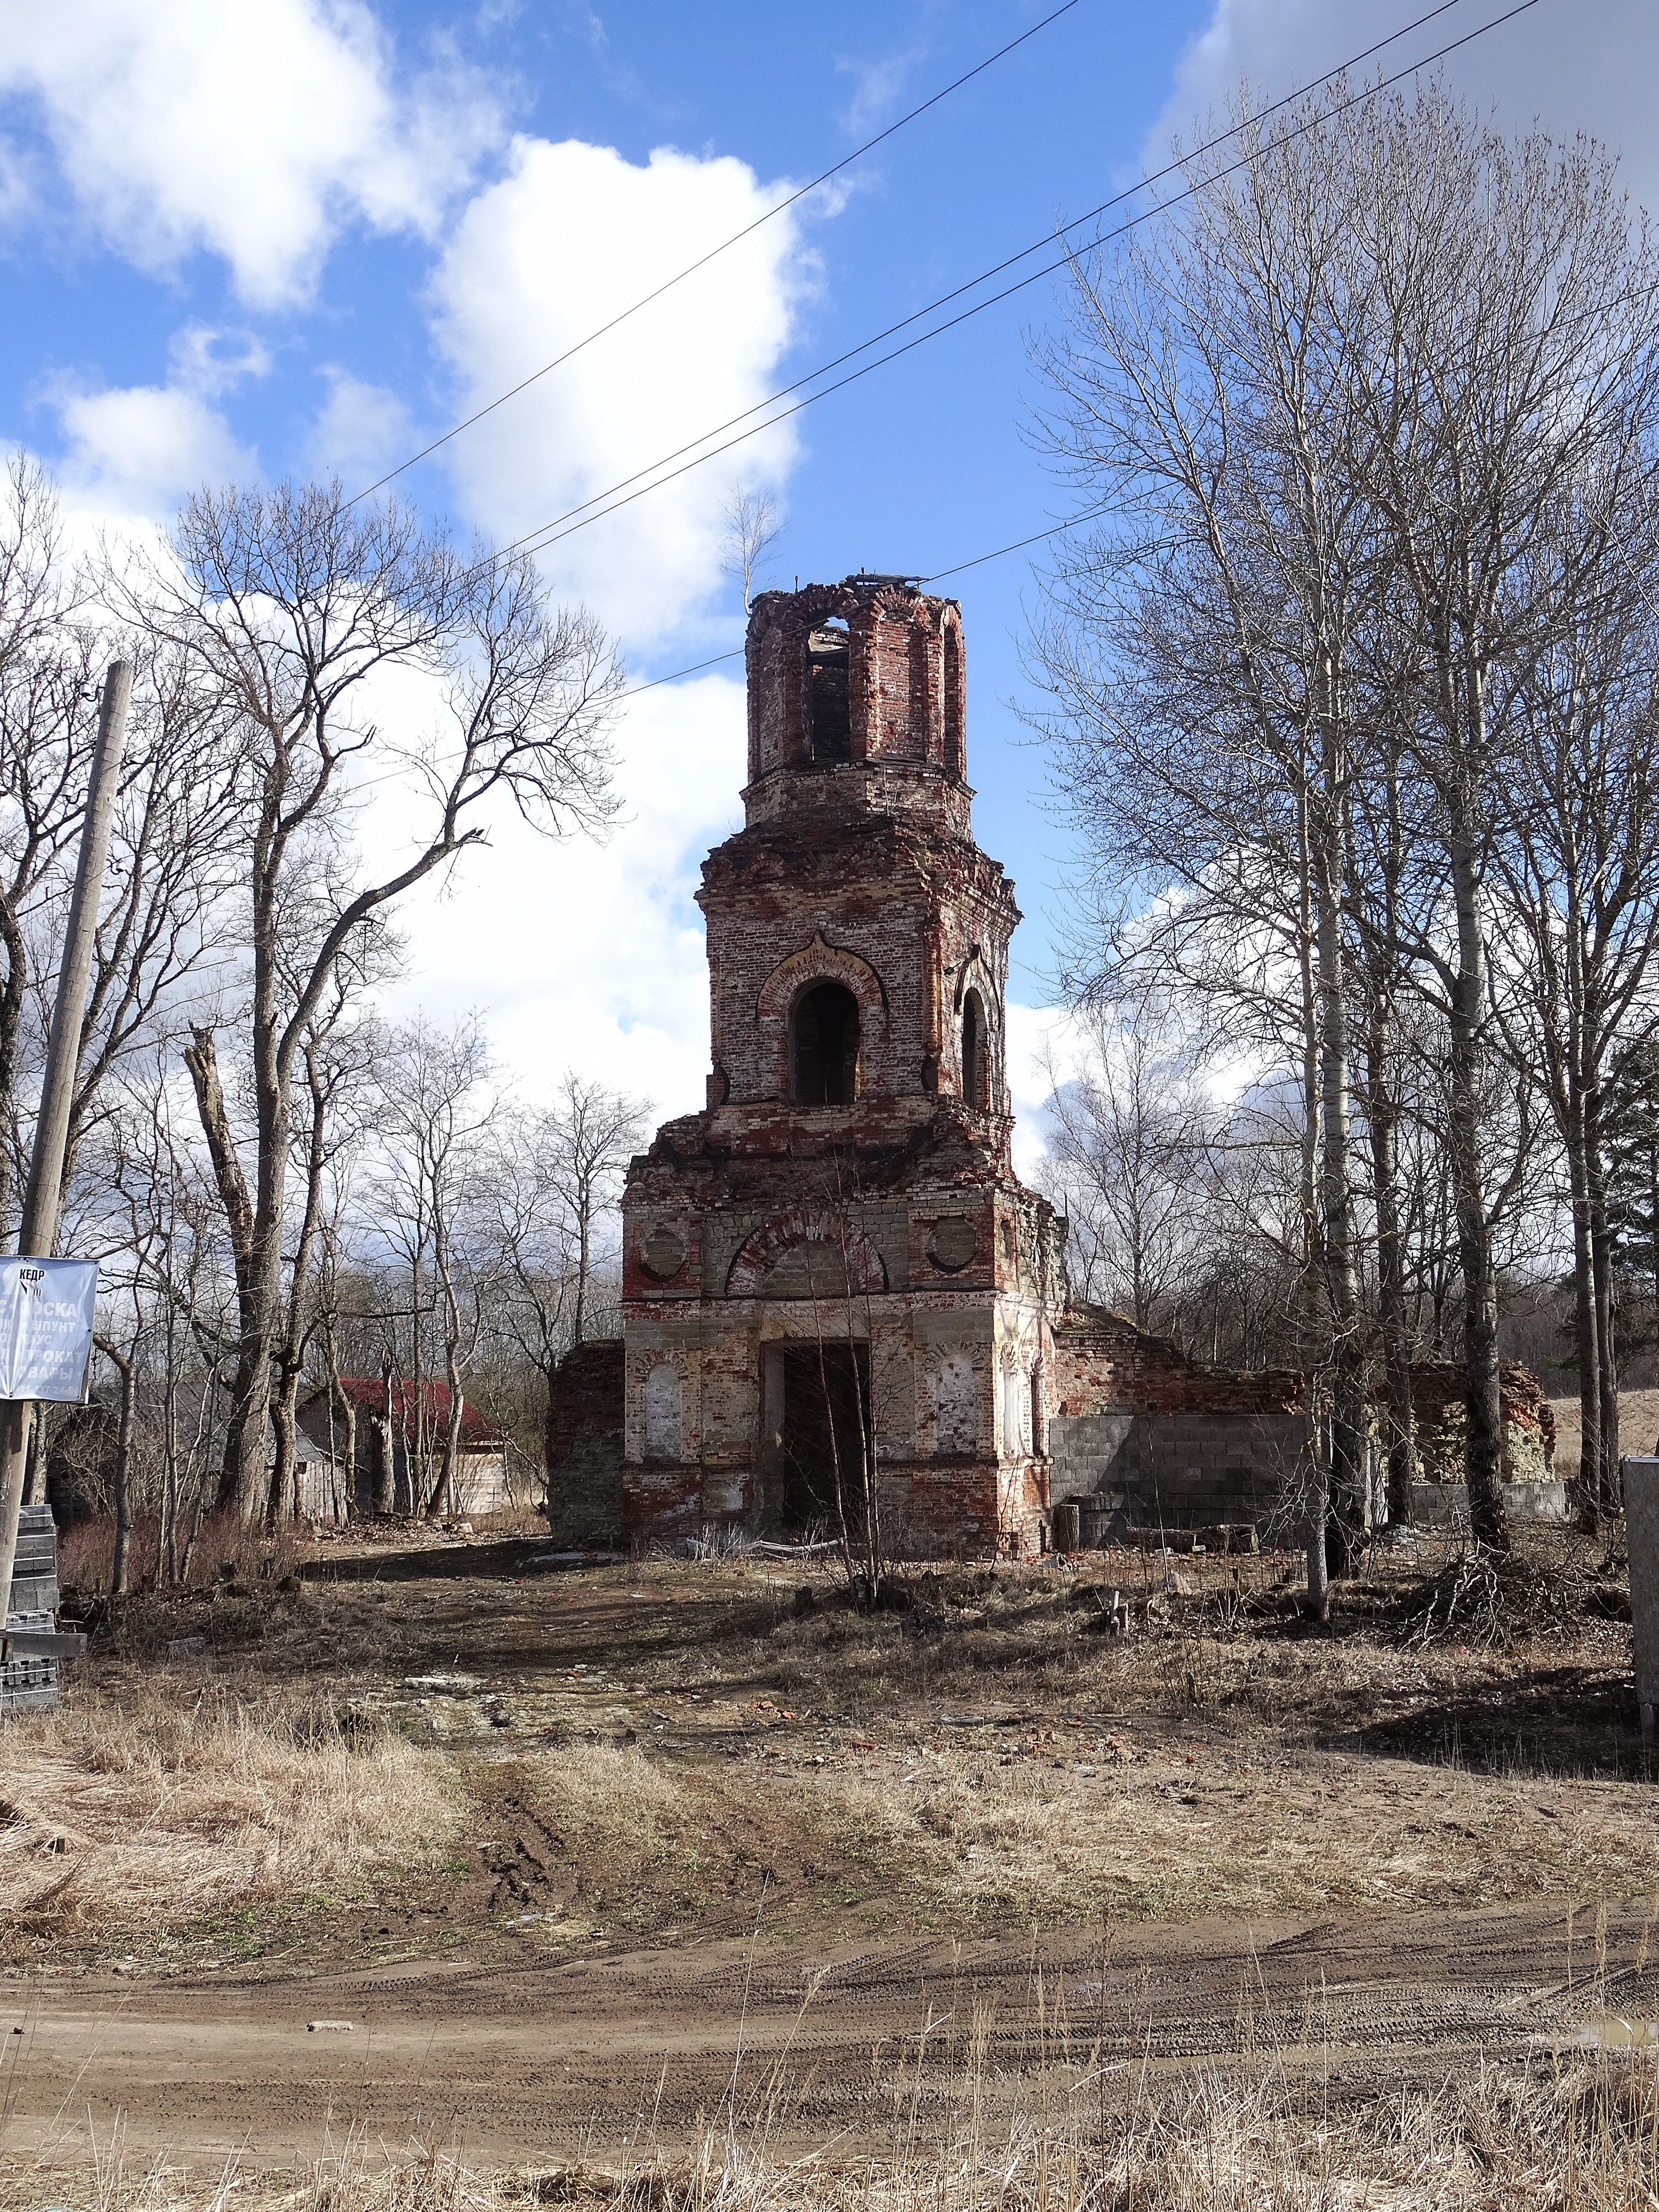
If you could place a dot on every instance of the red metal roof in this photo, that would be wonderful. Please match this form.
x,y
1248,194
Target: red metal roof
x,y
478,1431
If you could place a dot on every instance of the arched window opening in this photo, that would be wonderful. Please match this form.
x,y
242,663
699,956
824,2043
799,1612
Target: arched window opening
x,y
910,740
1039,1414
953,758
823,1046
976,1055
828,668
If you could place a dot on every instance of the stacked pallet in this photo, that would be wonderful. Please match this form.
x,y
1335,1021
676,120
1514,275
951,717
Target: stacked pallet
x,y
35,1643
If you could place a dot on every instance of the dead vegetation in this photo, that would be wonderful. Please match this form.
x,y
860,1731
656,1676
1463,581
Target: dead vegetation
x,y
398,1751
165,1803
404,1746
1579,2132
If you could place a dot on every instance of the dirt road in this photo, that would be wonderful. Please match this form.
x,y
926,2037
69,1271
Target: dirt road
x,y
803,2045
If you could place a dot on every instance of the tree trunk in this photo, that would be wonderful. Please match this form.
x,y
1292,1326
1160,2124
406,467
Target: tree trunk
x,y
281,1505
12,995
1586,1328
120,1564
1609,1496
1482,1398
242,1477
384,1474
34,1480
1319,1573
1399,1457
1347,1462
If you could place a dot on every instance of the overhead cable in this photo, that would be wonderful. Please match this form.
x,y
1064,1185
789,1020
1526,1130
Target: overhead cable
x,y
578,518
714,251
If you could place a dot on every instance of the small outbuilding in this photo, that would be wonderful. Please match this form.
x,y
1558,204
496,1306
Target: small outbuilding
x,y
391,1443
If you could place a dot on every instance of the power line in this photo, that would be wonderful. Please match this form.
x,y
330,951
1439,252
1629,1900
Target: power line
x,y
1055,529
1019,544
578,518
737,653
713,253
1090,514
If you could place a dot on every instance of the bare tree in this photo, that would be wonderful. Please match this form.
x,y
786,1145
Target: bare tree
x,y
435,1114
585,1142
1127,1147
287,606
1201,644
336,1054
48,712
1577,857
1332,402
1523,311
753,526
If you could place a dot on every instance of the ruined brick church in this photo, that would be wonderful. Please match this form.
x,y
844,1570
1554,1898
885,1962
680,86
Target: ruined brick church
x,y
833,1265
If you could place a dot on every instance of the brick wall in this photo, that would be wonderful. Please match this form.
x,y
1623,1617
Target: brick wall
x,y
906,683
1103,1360
585,1446
1440,1420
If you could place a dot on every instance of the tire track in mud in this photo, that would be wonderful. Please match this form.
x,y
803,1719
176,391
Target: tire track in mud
x,y
531,2061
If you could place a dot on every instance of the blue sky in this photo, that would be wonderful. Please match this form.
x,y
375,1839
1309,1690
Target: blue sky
x,y
261,238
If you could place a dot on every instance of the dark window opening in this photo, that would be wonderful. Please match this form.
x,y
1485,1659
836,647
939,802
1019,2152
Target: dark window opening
x,y
975,1056
828,664
826,1435
823,1047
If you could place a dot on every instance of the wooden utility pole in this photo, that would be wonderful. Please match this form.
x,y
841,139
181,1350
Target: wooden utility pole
x,y
39,1232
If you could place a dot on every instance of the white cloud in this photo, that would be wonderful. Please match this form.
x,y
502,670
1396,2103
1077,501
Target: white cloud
x,y
878,85
131,455
362,430
132,452
250,128
1587,67
208,362
586,956
570,237
1039,1039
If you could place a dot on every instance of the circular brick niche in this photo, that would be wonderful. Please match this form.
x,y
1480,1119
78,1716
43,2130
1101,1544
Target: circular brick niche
x,y
663,1253
953,1244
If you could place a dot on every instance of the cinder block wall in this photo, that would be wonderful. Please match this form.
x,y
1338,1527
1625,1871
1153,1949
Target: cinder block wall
x,y
1145,1470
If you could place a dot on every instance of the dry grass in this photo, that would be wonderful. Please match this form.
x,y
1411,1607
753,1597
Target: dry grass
x,y
1582,2134
1638,1426
650,1747
171,1800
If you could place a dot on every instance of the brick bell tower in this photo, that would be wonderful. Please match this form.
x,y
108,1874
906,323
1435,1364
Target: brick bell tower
x,y
833,1266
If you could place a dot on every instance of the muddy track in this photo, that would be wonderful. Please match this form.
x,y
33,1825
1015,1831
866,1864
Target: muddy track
x,y
531,2062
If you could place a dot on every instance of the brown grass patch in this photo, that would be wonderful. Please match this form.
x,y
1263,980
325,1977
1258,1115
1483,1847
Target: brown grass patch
x,y
1638,1426
1582,2134
168,1801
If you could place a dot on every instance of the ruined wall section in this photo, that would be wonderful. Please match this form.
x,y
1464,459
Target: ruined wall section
x,y
906,679
585,1446
1440,1422
1145,1437
1105,1362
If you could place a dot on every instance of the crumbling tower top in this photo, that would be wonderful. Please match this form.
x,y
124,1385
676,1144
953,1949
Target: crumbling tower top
x,y
857,696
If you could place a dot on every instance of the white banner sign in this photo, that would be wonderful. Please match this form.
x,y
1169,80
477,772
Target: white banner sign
x,y
46,1328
